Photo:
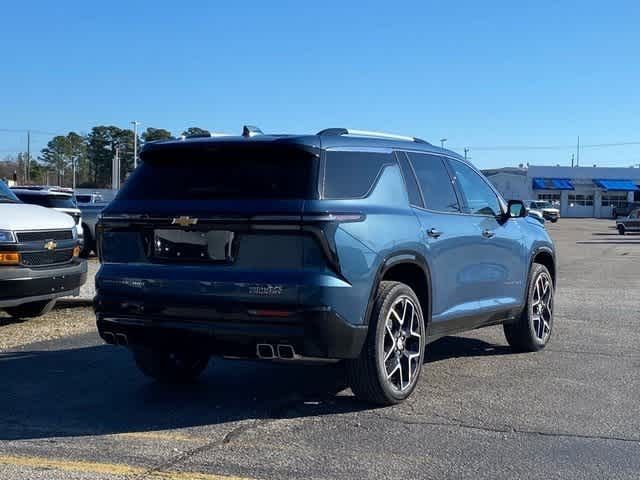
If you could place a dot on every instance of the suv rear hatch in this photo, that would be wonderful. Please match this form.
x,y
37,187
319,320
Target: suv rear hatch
x,y
212,229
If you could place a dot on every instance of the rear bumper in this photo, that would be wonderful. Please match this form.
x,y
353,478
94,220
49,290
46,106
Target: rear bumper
x,y
20,285
314,332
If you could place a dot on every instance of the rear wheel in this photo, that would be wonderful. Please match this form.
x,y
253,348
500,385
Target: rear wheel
x,y
30,310
533,329
621,229
389,366
170,367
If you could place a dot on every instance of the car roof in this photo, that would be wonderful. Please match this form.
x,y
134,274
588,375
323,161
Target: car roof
x,y
317,141
44,191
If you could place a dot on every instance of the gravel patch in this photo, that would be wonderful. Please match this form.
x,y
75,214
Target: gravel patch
x,y
62,321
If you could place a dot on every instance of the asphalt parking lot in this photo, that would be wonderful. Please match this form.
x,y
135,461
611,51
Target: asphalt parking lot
x,y
72,407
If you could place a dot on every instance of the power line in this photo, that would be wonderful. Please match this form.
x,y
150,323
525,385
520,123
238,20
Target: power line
x,y
551,147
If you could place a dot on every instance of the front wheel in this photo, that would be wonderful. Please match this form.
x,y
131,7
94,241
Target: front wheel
x,y
532,331
170,367
30,310
388,368
621,229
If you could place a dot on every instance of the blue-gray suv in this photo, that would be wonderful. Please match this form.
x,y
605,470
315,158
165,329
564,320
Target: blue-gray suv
x,y
346,245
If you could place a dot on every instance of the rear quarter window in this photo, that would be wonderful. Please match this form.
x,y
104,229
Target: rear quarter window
x,y
353,174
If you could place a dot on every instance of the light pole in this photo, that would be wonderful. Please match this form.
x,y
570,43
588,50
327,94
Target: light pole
x,y
442,140
135,144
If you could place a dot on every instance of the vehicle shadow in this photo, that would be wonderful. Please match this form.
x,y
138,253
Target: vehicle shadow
x,y
450,347
97,390
610,242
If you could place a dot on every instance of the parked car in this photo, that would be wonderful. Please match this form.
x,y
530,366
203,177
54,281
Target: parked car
x,y
88,198
39,261
343,246
623,211
543,209
60,199
90,212
630,223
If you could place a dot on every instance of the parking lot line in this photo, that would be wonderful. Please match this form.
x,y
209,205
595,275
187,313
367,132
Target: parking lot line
x,y
107,469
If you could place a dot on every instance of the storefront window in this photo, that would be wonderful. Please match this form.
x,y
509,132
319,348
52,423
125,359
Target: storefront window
x,y
552,198
580,200
614,200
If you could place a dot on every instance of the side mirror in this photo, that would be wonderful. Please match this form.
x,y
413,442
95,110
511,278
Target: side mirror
x,y
516,209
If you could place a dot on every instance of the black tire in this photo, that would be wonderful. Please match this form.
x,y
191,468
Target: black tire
x,y
533,330
31,310
554,220
621,229
88,246
367,375
170,367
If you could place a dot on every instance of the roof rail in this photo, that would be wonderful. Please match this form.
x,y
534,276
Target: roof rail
x,y
366,133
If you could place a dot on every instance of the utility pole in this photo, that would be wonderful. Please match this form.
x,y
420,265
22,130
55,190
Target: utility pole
x,y
572,158
73,163
442,140
115,169
135,144
578,153
27,165
466,151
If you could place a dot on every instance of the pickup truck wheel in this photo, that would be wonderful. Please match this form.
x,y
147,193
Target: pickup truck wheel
x,y
29,310
88,242
621,229
532,331
389,366
170,367
554,220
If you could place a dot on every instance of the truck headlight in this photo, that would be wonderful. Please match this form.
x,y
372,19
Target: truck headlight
x,y
6,236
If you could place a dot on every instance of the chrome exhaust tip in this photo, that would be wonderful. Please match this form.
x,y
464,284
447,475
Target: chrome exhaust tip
x,y
286,352
265,351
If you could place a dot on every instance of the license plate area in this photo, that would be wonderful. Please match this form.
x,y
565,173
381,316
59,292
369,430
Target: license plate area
x,y
173,245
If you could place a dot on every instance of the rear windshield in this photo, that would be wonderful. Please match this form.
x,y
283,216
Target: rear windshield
x,y
6,195
49,201
224,173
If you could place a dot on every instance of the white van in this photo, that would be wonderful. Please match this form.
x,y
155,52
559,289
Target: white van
x,y
39,257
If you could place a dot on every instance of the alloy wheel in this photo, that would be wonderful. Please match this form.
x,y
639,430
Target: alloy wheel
x,y
403,344
542,307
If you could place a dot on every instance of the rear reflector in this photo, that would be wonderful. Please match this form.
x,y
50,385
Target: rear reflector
x,y
9,258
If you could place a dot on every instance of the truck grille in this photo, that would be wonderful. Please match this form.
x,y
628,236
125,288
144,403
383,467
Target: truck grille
x,y
37,259
38,236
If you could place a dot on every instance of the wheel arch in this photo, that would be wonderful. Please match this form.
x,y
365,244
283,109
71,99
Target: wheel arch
x,y
544,256
411,269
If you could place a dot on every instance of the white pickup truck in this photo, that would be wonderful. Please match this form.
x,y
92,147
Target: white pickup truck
x,y
39,257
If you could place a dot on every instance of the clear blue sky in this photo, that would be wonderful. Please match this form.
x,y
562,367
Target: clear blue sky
x,y
478,73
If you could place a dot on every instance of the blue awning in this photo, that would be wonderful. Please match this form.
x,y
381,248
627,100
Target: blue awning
x,y
616,185
552,184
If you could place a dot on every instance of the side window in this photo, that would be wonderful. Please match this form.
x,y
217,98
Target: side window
x,y
481,199
434,180
410,180
353,174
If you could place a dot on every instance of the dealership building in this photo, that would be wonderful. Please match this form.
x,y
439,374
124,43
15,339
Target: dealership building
x,y
579,191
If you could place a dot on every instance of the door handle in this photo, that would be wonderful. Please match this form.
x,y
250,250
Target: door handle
x,y
434,232
486,233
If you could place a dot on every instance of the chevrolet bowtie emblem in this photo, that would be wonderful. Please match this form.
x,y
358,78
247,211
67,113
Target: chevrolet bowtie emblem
x,y
50,245
184,221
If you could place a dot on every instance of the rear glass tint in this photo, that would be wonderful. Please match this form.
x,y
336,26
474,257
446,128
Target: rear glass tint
x,y
353,174
224,172
49,201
